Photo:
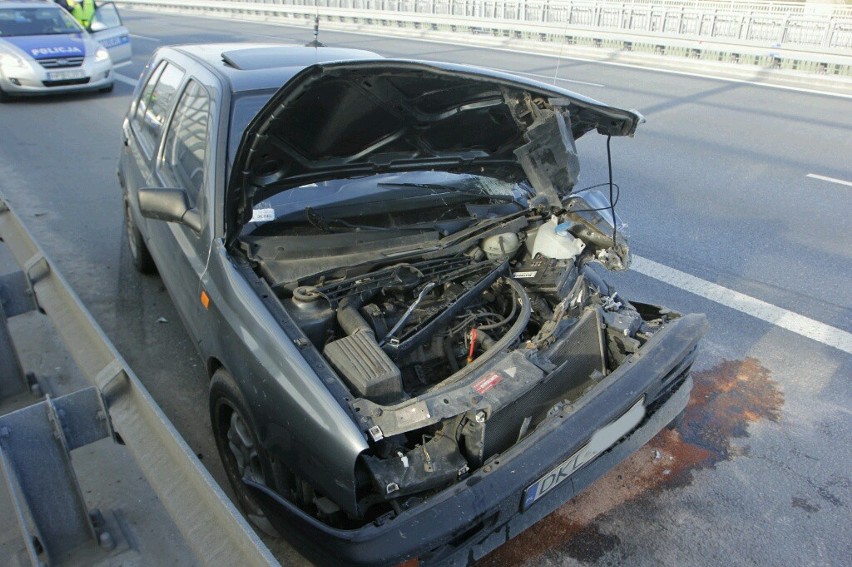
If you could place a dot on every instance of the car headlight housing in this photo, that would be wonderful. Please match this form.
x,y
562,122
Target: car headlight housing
x,y
101,54
10,61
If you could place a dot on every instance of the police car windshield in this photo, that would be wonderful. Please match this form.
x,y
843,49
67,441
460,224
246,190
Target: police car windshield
x,y
36,21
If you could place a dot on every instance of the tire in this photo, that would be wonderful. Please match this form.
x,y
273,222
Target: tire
x,y
107,89
239,448
4,96
139,254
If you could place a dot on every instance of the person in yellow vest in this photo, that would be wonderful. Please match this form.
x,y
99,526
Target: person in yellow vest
x,y
83,11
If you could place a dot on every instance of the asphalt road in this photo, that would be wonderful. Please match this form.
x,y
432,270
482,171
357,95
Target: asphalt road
x,y
716,185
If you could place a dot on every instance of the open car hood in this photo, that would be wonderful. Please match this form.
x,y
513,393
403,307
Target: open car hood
x,y
356,118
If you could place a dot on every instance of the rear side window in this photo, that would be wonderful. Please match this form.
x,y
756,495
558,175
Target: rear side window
x,y
154,105
186,140
145,97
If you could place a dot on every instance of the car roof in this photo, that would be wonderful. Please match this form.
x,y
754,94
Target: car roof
x,y
259,66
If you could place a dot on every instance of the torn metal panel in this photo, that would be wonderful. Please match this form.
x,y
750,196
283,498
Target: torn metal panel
x,y
550,157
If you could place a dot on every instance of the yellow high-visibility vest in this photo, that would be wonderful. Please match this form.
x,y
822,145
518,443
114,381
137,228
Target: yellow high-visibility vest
x,y
83,12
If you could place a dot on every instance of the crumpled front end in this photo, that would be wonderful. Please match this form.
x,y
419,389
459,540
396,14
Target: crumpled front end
x,y
445,269
514,489
455,356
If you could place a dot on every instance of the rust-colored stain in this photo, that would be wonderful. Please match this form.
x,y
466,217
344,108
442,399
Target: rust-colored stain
x,y
725,399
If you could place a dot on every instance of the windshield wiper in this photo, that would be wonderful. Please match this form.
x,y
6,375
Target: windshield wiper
x,y
450,189
474,231
339,225
327,225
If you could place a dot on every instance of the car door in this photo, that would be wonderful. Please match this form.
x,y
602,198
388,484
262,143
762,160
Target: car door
x,y
143,130
108,30
184,163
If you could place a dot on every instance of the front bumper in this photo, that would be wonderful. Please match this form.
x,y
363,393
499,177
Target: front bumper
x,y
475,516
33,79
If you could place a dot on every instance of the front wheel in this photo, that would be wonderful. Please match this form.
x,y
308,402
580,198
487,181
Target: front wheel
x,y
238,446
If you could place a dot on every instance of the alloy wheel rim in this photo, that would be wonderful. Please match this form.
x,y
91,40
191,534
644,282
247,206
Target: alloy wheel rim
x,y
244,450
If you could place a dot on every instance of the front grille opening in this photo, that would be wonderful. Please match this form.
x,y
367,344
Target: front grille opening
x,y
580,357
61,62
66,82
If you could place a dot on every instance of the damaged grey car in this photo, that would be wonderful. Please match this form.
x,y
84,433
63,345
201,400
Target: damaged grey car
x,y
390,273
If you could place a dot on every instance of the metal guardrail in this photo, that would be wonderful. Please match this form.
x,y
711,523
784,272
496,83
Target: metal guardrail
x,y
212,527
630,27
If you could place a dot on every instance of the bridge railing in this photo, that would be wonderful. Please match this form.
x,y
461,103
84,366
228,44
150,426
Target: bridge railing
x,y
814,38
792,23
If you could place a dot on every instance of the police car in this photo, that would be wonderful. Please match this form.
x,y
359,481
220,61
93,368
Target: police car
x,y
44,50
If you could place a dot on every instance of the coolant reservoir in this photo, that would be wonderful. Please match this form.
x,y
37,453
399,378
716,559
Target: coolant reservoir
x,y
554,241
501,246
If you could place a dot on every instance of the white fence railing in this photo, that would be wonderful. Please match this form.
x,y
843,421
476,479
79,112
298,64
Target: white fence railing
x,y
794,24
814,38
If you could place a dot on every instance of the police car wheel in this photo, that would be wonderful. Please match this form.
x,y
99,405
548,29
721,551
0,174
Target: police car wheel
x,y
107,89
4,97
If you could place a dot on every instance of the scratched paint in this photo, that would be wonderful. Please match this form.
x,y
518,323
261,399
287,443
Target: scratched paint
x,y
725,400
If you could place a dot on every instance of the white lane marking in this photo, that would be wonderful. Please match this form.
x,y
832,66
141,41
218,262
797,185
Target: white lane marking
x,y
712,77
120,65
126,80
145,37
829,179
549,77
278,37
799,324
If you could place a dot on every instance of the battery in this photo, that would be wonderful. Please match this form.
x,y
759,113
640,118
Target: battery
x,y
546,275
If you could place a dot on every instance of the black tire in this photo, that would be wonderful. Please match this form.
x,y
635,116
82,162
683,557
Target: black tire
x,y
107,89
139,254
4,96
238,446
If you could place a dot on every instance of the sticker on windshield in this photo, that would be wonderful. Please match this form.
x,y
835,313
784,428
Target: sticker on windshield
x,y
262,215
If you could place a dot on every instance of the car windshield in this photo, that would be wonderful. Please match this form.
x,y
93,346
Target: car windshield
x,y
36,21
245,108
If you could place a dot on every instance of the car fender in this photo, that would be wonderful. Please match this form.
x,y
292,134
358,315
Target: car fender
x,y
298,418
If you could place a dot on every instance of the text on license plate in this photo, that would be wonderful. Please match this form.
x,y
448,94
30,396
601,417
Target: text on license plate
x,y
603,439
66,75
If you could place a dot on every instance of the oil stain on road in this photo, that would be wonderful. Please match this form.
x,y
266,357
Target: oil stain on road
x,y
725,400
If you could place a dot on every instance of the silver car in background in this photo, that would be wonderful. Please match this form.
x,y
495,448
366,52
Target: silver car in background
x,y
44,50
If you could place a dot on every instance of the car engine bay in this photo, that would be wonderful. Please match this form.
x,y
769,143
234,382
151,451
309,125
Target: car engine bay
x,y
454,351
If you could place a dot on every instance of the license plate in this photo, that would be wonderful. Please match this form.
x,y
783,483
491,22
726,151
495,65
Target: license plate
x,y
603,439
66,75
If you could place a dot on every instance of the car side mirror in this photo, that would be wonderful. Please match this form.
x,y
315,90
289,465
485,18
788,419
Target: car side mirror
x,y
97,26
170,205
